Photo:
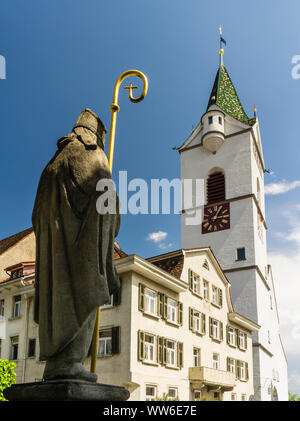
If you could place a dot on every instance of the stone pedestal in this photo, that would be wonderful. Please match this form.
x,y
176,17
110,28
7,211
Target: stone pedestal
x,y
65,390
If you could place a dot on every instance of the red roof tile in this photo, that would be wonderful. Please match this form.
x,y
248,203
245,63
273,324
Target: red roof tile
x,y
8,242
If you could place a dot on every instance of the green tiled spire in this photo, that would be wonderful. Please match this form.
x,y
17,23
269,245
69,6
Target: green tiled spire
x,y
224,95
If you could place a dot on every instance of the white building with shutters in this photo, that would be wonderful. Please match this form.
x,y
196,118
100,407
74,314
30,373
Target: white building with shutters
x,y
172,330
225,150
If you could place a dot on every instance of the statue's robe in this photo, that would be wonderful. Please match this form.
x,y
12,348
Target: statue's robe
x,y
74,244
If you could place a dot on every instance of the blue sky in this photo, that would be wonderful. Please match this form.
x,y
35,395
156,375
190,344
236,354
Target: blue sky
x,y
62,56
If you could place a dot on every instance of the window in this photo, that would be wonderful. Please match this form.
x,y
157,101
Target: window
x,y
173,393
150,393
216,359
244,397
242,340
241,253
242,370
194,282
31,347
231,338
197,395
197,321
2,309
14,345
233,396
205,290
215,188
214,295
149,348
171,361
217,296
109,342
110,303
172,310
230,365
210,120
196,357
17,306
215,329
217,395
150,301
220,120
16,274
104,344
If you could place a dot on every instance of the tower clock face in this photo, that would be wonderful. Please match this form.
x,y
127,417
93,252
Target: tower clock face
x,y
216,218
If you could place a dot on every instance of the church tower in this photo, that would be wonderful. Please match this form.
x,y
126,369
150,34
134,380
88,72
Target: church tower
x,y
225,151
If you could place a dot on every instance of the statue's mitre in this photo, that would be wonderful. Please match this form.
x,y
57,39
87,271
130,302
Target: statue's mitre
x,y
91,121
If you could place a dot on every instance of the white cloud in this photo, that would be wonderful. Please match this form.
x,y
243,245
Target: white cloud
x,y
281,187
157,237
286,271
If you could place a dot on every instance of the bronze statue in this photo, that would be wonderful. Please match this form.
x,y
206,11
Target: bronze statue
x,y
74,249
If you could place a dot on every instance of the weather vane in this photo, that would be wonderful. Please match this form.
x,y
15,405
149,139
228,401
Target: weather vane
x,y
222,41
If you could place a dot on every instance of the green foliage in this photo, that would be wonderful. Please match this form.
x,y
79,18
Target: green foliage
x,y
293,397
165,397
7,376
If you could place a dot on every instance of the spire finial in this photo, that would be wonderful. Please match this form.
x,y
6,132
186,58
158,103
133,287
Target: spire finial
x,y
255,110
222,41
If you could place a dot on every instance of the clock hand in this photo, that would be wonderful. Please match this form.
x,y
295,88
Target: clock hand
x,y
216,215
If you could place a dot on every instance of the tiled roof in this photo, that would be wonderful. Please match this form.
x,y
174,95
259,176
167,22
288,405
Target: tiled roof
x,y
224,96
8,242
170,262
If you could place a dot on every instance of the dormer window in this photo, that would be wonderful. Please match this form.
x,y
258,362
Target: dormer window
x,y
15,274
220,120
210,120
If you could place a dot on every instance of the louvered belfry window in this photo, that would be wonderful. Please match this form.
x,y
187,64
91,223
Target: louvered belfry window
x,y
216,187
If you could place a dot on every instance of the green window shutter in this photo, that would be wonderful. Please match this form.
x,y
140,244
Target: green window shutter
x,y
141,345
237,369
191,319
164,351
191,280
160,298
203,319
237,339
180,313
210,327
165,307
180,354
221,331
117,295
141,297
246,340
247,371
115,340
227,334
160,344
228,364
220,297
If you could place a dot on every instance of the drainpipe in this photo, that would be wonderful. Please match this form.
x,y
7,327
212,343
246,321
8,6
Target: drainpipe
x,y
28,299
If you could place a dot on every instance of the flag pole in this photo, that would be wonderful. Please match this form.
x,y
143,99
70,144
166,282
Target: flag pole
x,y
112,134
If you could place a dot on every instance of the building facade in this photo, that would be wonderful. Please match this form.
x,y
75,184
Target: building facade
x,y
171,330
225,150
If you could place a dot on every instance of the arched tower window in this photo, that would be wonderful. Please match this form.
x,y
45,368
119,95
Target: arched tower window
x,y
215,189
